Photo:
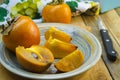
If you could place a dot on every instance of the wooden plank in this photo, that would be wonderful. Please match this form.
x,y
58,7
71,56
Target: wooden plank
x,y
6,75
92,21
112,22
79,22
118,11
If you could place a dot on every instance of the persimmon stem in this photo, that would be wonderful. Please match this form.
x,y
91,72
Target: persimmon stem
x,y
8,21
8,26
61,1
56,2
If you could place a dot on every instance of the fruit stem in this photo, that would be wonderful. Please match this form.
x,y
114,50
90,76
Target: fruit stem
x,y
6,28
8,21
56,2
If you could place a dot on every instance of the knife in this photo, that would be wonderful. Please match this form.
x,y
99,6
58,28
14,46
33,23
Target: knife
x,y
108,45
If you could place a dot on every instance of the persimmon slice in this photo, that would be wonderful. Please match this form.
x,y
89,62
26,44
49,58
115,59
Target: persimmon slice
x,y
58,34
70,62
59,48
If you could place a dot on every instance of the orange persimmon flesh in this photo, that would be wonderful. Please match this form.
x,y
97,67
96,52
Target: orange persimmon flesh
x,y
59,48
58,34
36,58
70,62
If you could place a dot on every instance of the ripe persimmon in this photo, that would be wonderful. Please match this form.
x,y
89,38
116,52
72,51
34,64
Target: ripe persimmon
x,y
24,32
57,11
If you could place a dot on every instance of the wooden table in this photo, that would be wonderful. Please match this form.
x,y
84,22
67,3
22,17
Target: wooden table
x,y
104,69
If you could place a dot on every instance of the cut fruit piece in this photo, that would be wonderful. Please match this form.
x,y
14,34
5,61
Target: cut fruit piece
x,y
70,62
35,58
58,34
59,48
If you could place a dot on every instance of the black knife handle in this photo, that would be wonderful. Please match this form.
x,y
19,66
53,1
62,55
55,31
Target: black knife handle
x,y
111,53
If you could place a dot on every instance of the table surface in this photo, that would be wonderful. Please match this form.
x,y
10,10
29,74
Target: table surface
x,y
104,69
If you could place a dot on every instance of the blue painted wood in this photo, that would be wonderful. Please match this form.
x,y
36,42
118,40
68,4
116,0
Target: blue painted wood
x,y
107,5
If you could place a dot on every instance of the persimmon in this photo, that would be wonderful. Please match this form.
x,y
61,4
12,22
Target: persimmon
x,y
70,62
23,32
36,58
59,48
57,11
58,34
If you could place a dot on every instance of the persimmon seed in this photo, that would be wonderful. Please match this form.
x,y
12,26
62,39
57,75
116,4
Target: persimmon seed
x,y
34,55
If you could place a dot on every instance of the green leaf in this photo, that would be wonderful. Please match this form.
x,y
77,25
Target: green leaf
x,y
37,16
22,0
78,0
72,5
2,19
86,2
6,1
3,12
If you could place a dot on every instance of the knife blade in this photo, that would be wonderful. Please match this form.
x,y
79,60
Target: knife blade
x,y
108,45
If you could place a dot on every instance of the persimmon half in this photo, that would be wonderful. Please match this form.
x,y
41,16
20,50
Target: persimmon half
x,y
24,32
35,59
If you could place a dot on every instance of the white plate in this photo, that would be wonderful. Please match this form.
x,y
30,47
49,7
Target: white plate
x,y
85,41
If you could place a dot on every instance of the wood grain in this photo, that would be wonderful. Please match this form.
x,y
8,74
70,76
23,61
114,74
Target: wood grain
x,y
92,21
6,75
112,22
118,11
79,22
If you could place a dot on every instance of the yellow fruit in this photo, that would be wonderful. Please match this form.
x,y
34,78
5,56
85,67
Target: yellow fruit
x,y
70,62
55,33
35,58
59,48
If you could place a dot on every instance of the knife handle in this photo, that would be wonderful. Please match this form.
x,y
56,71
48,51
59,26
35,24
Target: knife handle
x,y
111,53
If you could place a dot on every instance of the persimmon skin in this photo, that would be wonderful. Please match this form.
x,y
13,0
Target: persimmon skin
x,y
60,13
23,33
